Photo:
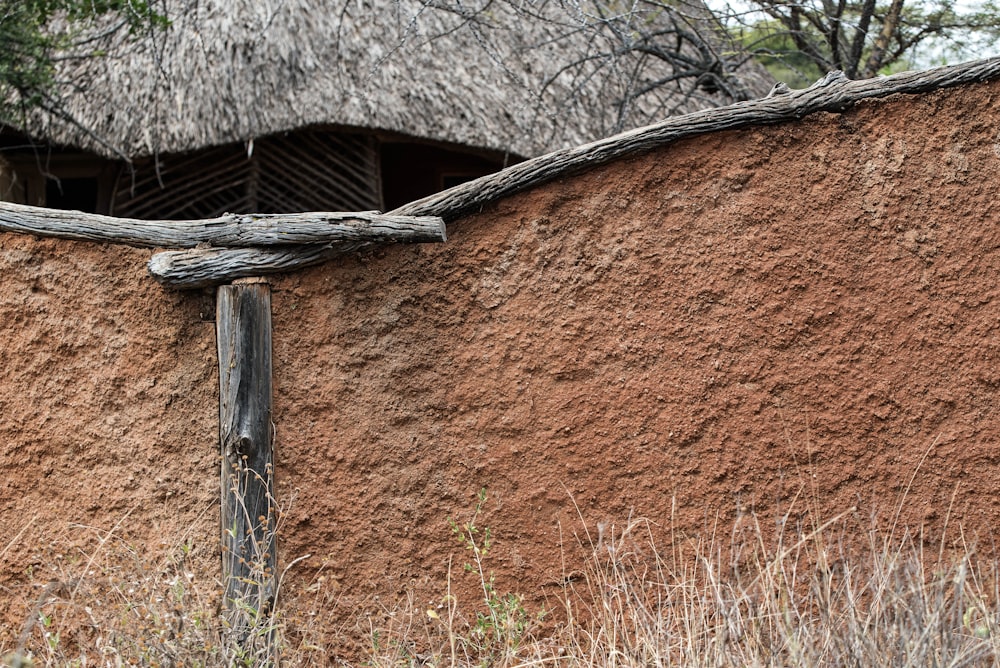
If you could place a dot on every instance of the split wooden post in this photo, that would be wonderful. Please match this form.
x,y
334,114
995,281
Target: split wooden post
x,y
249,513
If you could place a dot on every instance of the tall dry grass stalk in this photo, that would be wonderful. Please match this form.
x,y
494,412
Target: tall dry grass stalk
x,y
805,597
114,604
842,592
837,593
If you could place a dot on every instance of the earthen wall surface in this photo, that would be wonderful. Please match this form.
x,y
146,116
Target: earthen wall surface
x,y
783,319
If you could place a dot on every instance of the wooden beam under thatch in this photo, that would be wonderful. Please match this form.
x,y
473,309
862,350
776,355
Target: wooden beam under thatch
x,y
832,93
229,230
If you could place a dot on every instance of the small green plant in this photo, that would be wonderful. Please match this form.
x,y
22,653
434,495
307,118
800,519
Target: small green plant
x,y
499,630
37,35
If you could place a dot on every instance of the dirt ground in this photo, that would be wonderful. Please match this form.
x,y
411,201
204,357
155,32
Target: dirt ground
x,y
789,319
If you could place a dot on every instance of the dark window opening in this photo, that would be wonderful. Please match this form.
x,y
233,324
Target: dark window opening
x,y
76,194
411,171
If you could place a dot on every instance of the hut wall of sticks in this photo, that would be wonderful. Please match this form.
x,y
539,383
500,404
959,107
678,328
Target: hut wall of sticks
x,y
314,169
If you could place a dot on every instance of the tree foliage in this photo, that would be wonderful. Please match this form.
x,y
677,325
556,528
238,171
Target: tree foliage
x,y
662,57
862,38
636,60
36,34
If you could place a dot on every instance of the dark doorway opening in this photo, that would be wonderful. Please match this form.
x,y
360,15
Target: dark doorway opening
x,y
411,170
76,194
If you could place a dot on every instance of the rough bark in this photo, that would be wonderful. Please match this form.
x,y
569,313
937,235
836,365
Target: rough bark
x,y
204,267
243,328
889,25
832,93
229,230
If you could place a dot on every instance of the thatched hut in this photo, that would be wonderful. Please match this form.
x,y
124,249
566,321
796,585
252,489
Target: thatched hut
x,y
242,105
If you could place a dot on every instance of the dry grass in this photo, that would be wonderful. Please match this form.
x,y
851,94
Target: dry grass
x,y
808,597
838,593
115,606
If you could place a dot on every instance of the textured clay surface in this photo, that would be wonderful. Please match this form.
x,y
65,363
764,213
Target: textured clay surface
x,y
108,417
784,319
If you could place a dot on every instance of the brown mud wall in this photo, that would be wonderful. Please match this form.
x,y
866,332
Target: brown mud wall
x,y
108,418
797,317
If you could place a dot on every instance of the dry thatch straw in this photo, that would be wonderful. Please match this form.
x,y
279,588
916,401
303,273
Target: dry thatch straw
x,y
487,76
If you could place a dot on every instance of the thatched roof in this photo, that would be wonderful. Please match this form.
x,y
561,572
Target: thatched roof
x,y
232,70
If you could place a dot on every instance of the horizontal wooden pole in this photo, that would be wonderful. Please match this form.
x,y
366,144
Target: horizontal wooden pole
x,y
229,230
832,93
203,267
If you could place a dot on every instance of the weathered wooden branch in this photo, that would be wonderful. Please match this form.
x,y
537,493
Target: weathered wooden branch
x,y
833,93
209,266
229,230
249,561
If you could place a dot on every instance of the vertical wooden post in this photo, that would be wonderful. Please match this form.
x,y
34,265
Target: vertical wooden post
x,y
243,330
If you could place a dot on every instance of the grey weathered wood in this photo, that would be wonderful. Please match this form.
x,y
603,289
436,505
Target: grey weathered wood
x,y
204,266
229,230
833,93
249,561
